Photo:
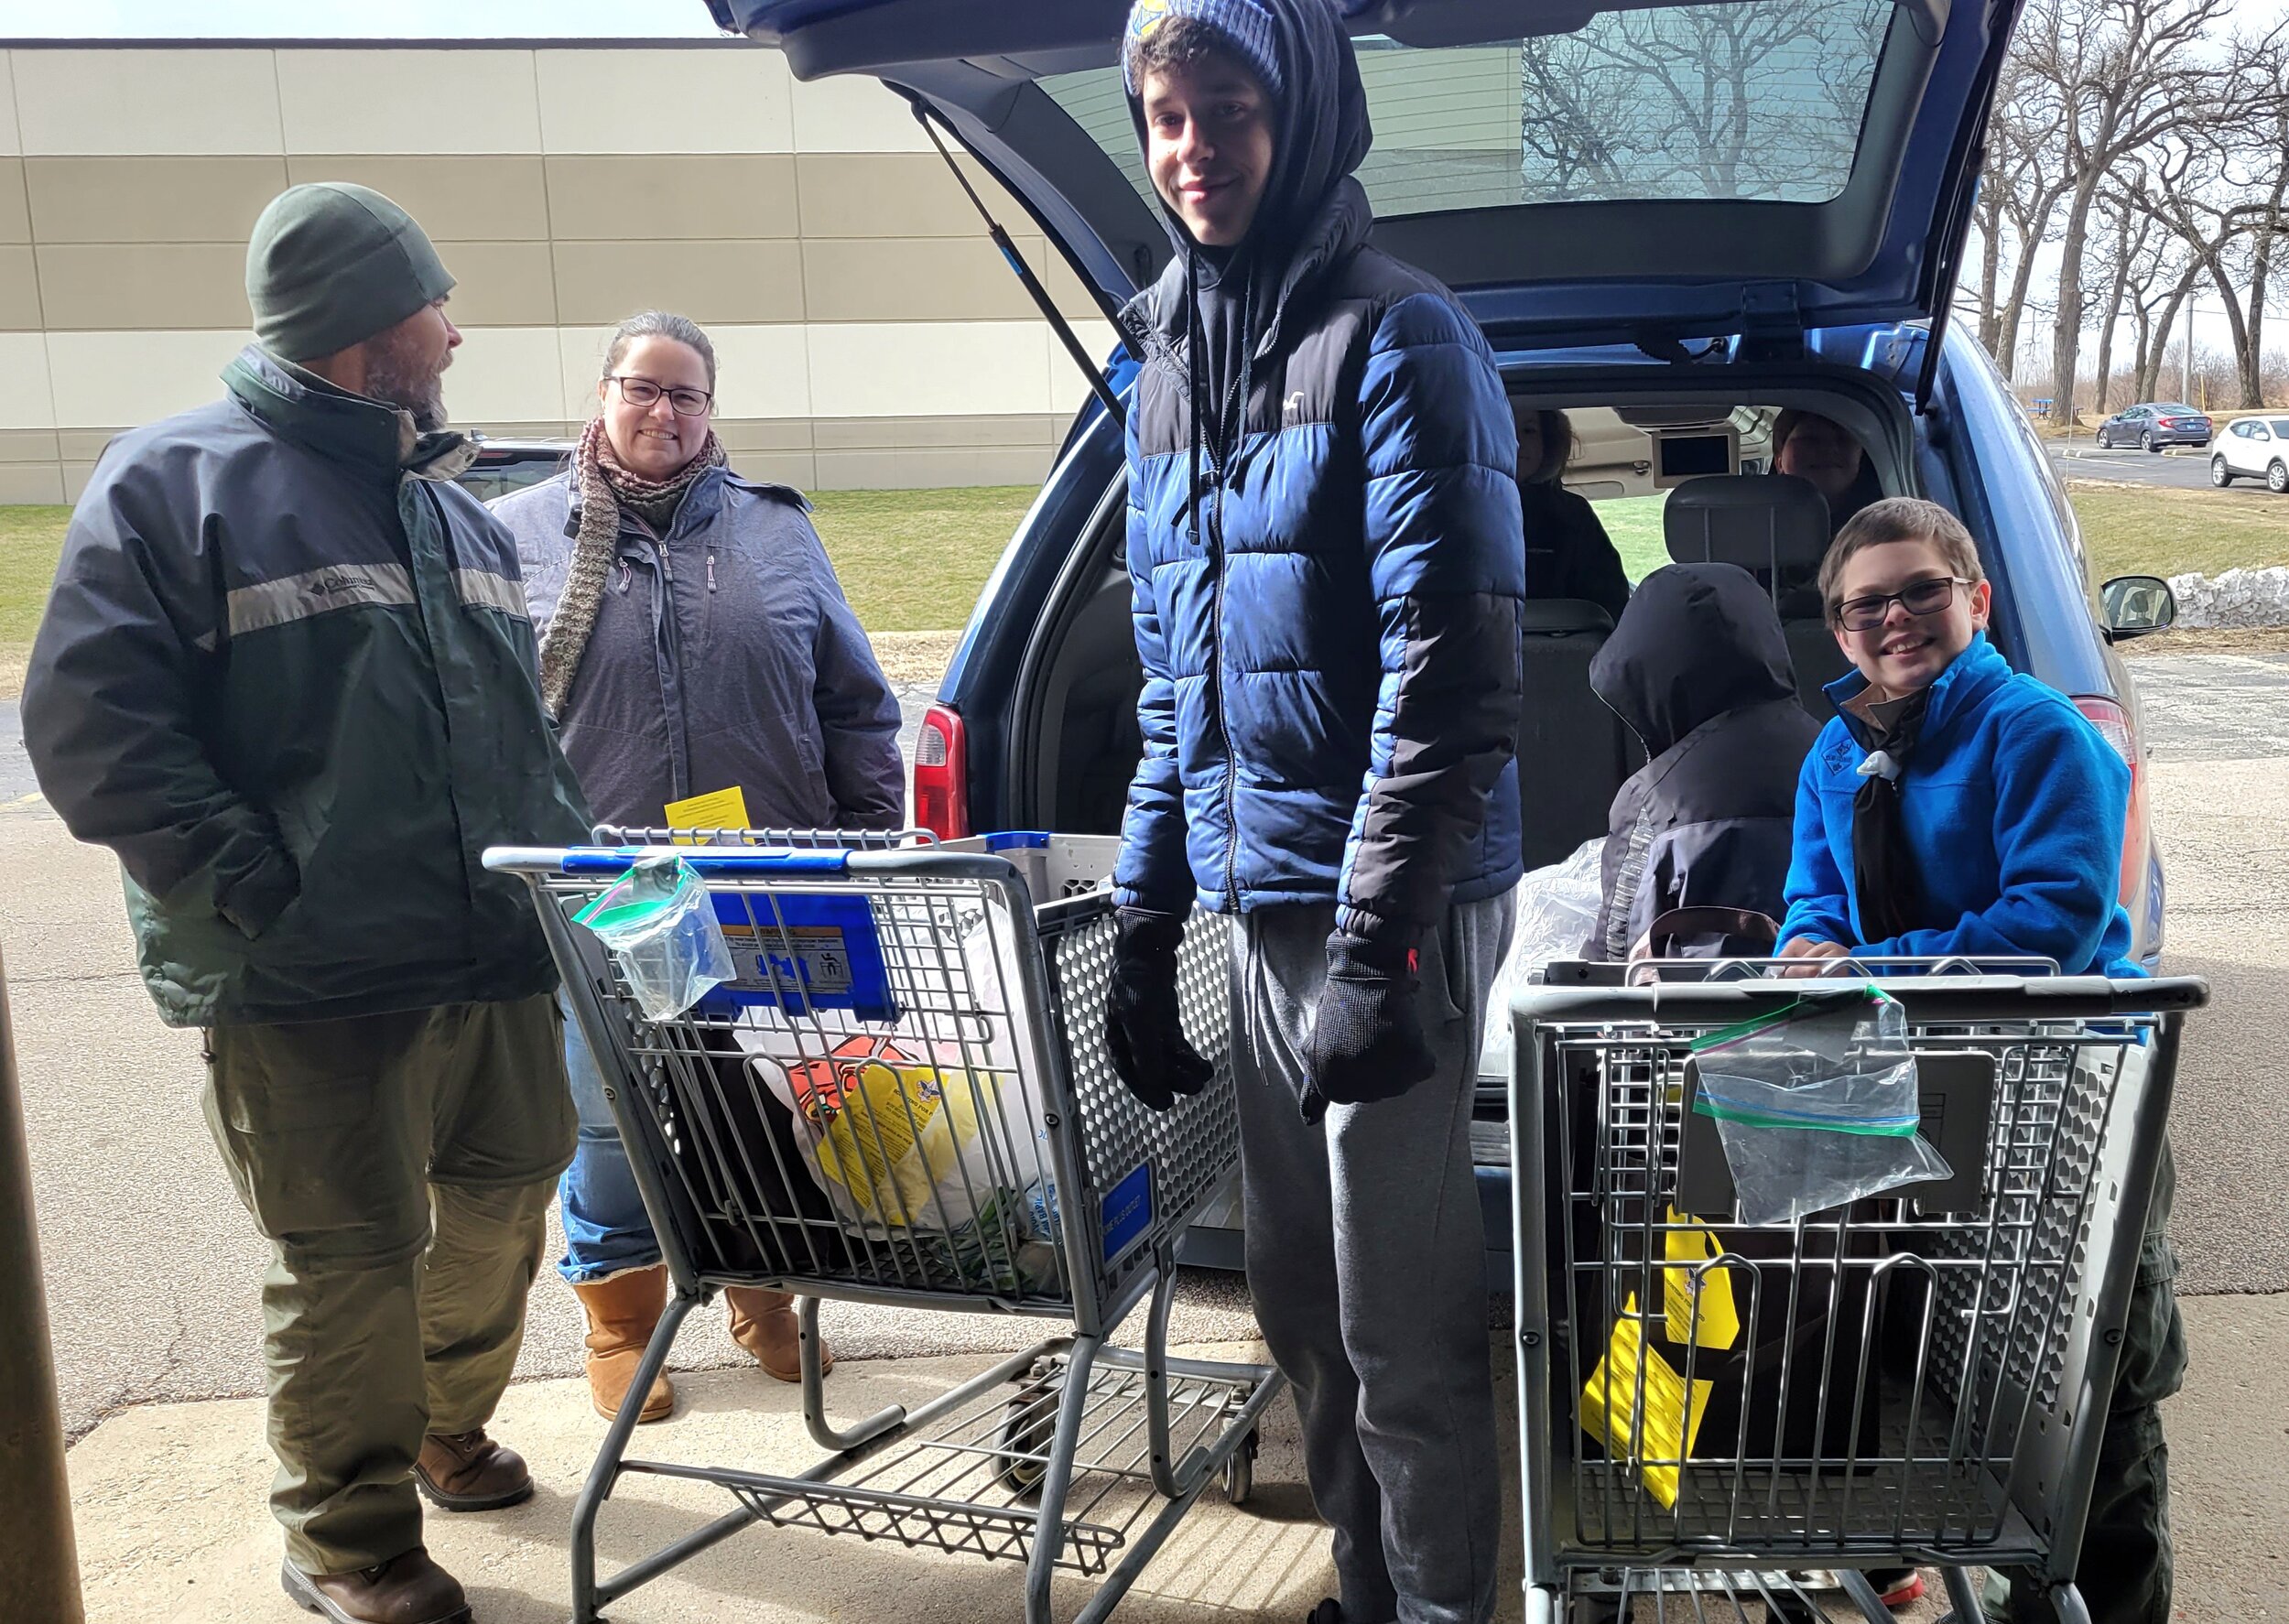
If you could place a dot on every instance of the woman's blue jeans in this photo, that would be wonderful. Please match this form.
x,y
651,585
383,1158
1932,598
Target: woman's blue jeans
x,y
606,1230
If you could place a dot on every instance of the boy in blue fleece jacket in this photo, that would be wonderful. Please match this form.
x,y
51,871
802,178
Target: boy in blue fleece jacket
x,y
1956,806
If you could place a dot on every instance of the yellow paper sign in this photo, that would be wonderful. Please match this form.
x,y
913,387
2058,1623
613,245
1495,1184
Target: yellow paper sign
x,y
1718,1326
721,808
1612,1408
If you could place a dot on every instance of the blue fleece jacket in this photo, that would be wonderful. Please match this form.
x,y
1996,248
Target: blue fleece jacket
x,y
2014,807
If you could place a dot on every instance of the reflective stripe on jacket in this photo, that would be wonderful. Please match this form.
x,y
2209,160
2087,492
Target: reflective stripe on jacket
x,y
287,675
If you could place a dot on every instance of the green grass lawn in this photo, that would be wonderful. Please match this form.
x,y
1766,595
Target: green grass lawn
x,y
915,560
2154,530
1633,522
30,537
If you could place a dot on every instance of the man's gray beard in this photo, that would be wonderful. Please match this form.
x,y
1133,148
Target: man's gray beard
x,y
394,376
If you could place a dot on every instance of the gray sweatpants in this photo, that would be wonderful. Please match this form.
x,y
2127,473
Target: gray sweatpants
x,y
1365,1259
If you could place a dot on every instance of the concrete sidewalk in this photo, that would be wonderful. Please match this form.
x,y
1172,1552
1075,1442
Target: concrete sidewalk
x,y
173,1527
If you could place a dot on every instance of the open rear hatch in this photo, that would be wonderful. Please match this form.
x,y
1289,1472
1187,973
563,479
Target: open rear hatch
x,y
1643,172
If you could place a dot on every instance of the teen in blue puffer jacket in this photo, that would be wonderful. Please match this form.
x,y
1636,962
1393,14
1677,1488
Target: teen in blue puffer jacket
x,y
1325,544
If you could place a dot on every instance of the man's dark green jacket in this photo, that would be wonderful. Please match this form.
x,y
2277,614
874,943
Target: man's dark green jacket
x,y
287,675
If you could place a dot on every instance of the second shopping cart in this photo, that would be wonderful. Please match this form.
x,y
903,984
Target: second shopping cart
x,y
1711,1407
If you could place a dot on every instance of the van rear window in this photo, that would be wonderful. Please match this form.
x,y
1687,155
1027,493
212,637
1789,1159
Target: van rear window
x,y
1757,99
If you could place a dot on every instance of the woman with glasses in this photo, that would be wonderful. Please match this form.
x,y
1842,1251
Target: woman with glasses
x,y
693,640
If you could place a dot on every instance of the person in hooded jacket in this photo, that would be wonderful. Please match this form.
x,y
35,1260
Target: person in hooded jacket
x,y
1324,543
1698,668
1569,554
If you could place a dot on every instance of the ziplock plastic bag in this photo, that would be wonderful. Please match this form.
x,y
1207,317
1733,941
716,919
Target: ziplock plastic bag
x,y
1558,908
661,928
1817,1104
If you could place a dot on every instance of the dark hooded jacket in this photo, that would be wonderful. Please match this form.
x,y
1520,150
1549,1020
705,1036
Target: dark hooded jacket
x,y
288,676
1327,577
1698,668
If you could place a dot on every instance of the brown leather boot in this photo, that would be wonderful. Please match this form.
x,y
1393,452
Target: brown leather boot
x,y
765,1323
470,1472
622,1312
407,1589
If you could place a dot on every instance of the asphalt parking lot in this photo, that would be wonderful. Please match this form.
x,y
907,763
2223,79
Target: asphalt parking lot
x,y
2183,467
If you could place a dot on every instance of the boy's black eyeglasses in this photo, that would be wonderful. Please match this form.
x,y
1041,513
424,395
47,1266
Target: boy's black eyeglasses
x,y
1922,597
642,392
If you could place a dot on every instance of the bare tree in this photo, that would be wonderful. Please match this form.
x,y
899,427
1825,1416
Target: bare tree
x,y
2130,228
2161,277
2130,74
1701,101
2203,192
2268,236
2019,194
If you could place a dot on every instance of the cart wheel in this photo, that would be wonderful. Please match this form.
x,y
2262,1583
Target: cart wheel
x,y
1239,1471
1028,1426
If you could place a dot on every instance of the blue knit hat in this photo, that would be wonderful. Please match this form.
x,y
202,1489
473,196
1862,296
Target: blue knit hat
x,y
1246,24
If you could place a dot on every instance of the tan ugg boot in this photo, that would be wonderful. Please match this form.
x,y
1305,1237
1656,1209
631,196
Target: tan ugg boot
x,y
622,1312
765,1323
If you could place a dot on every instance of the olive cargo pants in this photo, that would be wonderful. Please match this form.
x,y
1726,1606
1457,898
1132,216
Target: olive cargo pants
x,y
401,1166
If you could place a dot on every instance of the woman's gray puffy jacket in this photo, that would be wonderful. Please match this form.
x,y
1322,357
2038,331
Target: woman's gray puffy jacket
x,y
723,653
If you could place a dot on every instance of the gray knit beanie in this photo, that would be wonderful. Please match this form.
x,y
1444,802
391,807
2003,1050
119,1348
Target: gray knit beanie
x,y
330,264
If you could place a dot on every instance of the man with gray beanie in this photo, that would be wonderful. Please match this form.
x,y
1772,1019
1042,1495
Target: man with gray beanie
x,y
287,675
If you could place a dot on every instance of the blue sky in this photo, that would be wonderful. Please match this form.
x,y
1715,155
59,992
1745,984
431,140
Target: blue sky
x,y
359,19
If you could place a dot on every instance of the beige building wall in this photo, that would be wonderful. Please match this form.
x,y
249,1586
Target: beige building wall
x,y
868,334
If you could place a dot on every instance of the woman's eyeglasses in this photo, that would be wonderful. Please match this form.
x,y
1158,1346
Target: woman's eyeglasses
x,y
642,391
1922,597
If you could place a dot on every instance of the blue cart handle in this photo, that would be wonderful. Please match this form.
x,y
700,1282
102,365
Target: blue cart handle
x,y
615,861
705,859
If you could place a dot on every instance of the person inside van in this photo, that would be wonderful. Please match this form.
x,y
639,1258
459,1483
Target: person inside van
x,y
1954,806
1569,554
1829,455
1698,668
1325,547
693,639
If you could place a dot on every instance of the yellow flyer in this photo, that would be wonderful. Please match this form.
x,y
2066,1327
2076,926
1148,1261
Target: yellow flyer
x,y
719,808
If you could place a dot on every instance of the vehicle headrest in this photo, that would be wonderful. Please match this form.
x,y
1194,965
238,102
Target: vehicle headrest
x,y
1551,617
1769,524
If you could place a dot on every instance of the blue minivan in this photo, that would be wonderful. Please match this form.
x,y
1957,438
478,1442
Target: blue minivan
x,y
1672,222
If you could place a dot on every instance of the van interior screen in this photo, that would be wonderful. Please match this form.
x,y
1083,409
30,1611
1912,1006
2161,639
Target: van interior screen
x,y
1689,456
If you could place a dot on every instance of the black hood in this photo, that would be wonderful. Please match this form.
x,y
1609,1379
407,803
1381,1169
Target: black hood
x,y
1696,640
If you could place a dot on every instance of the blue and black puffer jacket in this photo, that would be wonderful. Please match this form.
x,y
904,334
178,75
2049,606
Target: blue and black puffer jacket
x,y
1327,578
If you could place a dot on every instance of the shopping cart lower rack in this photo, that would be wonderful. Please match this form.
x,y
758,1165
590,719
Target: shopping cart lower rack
x,y
1709,1408
903,1097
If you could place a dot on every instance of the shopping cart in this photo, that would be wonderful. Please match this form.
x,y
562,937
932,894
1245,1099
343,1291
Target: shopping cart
x,y
1712,1412
905,1098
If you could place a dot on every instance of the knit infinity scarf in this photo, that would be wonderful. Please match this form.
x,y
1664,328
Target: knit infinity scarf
x,y
604,486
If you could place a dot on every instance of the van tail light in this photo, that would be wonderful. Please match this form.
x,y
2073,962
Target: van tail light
x,y
2113,722
941,774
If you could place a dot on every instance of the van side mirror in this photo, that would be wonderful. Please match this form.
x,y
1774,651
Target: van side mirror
x,y
2137,604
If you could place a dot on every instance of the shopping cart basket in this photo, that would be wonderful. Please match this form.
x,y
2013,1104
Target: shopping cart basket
x,y
905,1098
1707,1409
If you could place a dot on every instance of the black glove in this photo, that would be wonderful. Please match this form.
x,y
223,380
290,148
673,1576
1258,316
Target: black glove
x,y
1368,1042
1148,1041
